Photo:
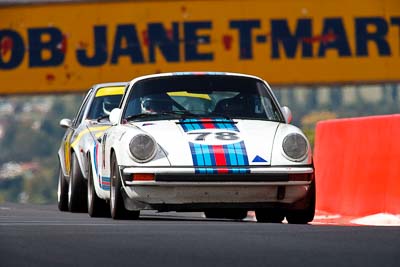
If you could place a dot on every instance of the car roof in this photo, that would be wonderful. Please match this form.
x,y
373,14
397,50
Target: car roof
x,y
200,73
101,85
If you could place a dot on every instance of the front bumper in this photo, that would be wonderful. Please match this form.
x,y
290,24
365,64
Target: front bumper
x,y
182,189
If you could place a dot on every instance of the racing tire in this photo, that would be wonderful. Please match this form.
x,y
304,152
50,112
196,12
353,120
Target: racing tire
x,y
62,192
117,206
305,215
97,207
270,215
77,188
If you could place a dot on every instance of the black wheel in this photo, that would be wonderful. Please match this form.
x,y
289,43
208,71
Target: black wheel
x,y
270,215
117,207
233,214
77,189
97,207
305,215
62,192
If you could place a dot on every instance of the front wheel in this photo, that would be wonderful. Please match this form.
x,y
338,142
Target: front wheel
x,y
117,207
97,207
305,215
62,192
76,188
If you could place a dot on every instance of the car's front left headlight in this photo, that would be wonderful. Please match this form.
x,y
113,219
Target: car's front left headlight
x,y
143,148
295,147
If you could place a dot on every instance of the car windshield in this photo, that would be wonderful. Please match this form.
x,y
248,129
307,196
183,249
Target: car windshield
x,y
201,96
102,106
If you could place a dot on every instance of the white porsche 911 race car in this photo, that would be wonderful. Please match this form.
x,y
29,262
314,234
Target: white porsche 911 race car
x,y
76,149
213,142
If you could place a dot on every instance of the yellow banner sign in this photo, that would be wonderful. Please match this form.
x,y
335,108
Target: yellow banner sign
x,y
68,47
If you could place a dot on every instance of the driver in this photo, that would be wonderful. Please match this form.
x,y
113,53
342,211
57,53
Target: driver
x,y
156,104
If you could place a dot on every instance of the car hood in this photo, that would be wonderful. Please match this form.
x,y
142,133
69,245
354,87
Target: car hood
x,y
213,142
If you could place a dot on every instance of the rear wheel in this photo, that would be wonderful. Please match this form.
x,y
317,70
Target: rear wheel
x,y
305,215
270,215
117,207
77,189
97,207
62,192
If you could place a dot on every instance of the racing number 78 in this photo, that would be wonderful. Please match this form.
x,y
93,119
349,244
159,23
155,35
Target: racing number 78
x,y
226,136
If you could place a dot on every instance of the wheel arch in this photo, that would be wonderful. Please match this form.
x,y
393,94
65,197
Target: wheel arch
x,y
95,176
62,164
81,157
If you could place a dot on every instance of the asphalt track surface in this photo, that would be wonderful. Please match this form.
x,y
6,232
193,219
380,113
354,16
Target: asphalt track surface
x,y
43,236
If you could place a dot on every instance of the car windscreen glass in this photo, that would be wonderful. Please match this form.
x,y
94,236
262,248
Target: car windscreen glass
x,y
204,96
102,105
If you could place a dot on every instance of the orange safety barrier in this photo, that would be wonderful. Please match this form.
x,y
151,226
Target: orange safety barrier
x,y
357,164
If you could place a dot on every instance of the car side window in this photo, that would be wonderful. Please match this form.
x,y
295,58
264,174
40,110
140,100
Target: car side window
x,y
79,115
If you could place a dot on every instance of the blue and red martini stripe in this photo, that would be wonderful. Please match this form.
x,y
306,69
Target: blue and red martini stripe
x,y
104,181
197,124
213,159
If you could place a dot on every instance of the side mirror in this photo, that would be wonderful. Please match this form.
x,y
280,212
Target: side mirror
x,y
114,116
287,113
66,123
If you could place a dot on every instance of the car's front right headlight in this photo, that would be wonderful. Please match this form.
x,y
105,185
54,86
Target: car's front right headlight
x,y
295,147
143,148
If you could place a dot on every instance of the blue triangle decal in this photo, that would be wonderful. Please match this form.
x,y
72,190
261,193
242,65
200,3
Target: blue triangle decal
x,y
258,159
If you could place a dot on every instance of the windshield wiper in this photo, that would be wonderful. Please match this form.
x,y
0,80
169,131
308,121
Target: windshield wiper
x,y
180,113
141,115
176,113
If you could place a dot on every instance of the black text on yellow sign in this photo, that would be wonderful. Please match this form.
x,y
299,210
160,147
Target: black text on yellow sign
x,y
140,46
68,47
